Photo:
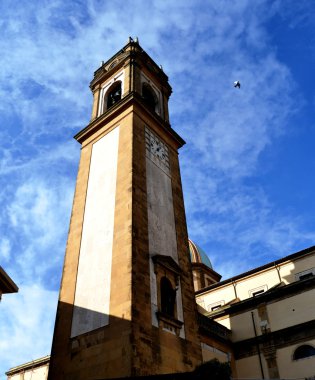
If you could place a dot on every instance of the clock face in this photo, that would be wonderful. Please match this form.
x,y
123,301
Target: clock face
x,y
157,150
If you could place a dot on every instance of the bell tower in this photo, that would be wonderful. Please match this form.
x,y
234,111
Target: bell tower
x,y
126,305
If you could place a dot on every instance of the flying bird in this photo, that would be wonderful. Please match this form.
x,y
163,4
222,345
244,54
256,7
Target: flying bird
x,y
237,84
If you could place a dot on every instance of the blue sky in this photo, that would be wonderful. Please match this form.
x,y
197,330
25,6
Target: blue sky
x,y
247,168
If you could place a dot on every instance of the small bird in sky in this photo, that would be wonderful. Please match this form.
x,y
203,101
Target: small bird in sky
x,y
237,84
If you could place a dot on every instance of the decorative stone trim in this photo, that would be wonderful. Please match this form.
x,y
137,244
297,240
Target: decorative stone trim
x,y
166,322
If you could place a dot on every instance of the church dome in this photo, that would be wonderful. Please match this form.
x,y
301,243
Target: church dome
x,y
198,255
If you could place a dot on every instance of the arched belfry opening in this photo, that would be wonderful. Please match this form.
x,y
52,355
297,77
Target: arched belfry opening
x,y
168,297
149,97
113,95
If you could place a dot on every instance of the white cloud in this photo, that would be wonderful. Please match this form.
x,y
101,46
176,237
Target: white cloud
x,y
27,320
5,249
36,219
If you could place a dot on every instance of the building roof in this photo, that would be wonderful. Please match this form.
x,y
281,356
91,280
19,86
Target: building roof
x,y
7,285
198,255
279,291
29,365
293,256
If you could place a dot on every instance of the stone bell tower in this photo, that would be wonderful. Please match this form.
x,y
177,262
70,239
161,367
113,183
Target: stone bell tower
x,y
126,305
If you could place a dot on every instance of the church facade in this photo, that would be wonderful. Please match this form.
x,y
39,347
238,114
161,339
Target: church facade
x,y
137,297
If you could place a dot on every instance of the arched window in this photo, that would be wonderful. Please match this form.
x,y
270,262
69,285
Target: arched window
x,y
113,95
304,351
168,296
149,96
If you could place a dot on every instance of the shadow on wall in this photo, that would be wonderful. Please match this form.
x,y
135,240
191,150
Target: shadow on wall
x,y
212,370
102,350
122,348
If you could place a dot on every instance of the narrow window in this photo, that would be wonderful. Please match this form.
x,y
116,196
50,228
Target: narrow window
x,y
258,292
148,96
215,307
114,94
168,296
304,351
309,273
305,276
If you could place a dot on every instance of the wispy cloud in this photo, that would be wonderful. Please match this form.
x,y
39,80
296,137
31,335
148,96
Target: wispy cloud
x,y
51,50
35,222
26,325
5,249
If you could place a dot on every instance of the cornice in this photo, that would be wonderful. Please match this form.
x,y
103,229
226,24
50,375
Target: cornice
x,y
133,52
288,336
292,257
272,295
127,101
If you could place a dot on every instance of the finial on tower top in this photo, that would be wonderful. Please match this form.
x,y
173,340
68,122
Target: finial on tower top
x,y
136,40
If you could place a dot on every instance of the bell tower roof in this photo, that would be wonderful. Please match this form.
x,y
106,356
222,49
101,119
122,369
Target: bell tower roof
x,y
130,81
134,51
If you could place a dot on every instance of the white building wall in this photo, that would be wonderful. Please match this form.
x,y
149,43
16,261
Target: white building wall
x,y
92,295
292,310
36,373
289,368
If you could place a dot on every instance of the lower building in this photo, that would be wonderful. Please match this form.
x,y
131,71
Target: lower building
x,y
270,311
262,321
34,370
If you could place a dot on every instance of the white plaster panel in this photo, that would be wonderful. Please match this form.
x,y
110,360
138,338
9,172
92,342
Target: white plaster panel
x,y
162,234
161,223
92,296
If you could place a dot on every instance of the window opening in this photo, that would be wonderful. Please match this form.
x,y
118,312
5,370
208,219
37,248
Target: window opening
x,y
168,296
114,95
305,276
309,273
215,307
148,96
258,292
304,351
